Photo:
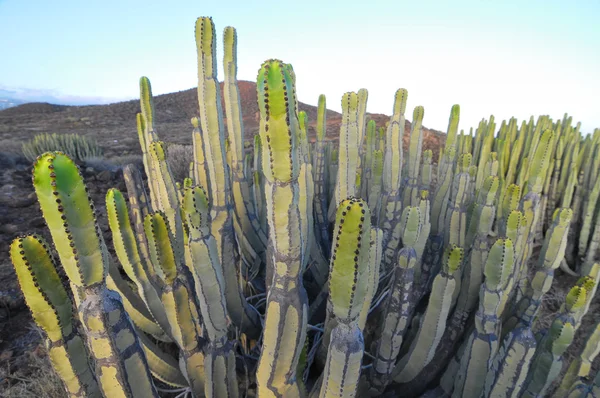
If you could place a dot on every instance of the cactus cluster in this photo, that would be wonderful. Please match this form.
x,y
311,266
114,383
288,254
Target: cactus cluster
x,y
79,147
308,269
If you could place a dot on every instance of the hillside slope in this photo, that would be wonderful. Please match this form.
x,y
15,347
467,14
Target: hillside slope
x,y
114,126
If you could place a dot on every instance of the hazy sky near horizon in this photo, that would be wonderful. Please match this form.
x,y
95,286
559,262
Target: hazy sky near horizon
x,y
506,58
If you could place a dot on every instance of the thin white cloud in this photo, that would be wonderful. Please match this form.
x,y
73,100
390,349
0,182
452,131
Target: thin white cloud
x,y
53,96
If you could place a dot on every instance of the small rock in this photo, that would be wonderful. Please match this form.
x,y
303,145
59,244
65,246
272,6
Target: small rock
x,y
89,171
104,176
37,222
6,355
9,229
7,187
21,202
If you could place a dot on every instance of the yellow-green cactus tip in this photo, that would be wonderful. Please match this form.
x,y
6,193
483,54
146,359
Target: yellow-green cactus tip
x,y
205,34
195,122
400,101
158,149
576,298
453,258
418,114
455,112
411,225
563,216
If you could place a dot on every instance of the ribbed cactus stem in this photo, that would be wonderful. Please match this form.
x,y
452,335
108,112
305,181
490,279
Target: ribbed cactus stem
x,y
128,254
321,179
470,286
350,285
286,313
200,163
348,150
401,303
211,120
245,218
391,201
413,163
482,344
553,251
547,362
67,207
52,310
423,347
509,367
582,364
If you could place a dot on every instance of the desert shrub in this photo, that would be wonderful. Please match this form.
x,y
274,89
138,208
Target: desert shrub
x,y
124,160
11,154
78,147
179,158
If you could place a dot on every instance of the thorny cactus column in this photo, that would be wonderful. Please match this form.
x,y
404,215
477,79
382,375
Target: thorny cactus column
x,y
350,288
286,314
120,364
213,141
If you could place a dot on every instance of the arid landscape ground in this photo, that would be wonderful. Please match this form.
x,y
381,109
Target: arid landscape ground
x,y
23,366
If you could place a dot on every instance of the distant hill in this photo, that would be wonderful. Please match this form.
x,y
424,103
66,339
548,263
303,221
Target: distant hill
x,y
114,127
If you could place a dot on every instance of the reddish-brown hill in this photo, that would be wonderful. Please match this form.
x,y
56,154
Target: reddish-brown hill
x,y
114,127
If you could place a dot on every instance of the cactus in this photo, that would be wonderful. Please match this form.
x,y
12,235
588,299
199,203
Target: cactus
x,y
78,147
286,302
278,261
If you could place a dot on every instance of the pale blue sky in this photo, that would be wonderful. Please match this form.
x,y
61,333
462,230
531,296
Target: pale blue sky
x,y
507,58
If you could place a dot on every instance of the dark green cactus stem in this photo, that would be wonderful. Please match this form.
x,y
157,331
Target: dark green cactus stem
x,y
286,313
211,118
